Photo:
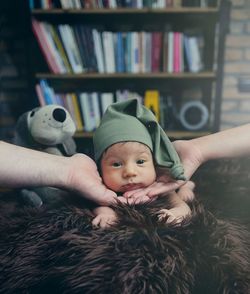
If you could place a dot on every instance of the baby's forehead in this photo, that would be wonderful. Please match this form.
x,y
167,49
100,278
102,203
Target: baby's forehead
x,y
127,146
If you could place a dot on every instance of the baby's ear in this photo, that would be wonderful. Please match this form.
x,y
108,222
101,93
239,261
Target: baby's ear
x,y
163,171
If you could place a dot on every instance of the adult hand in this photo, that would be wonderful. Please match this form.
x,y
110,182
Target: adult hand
x,y
191,159
164,184
190,156
83,178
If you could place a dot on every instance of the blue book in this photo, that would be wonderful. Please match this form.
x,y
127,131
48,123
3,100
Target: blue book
x,y
128,52
120,53
46,92
31,4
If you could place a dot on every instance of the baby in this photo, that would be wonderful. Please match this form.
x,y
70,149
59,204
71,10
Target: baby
x,y
129,147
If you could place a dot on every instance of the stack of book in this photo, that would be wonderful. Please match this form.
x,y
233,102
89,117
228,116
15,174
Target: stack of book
x,y
87,108
78,49
88,4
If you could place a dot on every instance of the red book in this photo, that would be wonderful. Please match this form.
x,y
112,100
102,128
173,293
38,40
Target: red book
x,y
41,38
176,52
156,51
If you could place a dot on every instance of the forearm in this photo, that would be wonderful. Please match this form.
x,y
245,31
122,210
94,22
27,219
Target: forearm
x,y
230,143
25,167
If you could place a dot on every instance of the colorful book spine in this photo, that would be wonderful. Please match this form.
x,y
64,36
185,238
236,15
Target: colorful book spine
x,y
41,38
156,51
98,49
152,102
79,123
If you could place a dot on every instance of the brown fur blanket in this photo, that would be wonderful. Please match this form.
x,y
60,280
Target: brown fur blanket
x,y
56,251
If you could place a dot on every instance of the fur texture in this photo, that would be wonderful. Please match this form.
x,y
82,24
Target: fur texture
x,y
56,251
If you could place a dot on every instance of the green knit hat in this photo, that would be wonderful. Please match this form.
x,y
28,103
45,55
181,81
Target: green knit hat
x,y
131,121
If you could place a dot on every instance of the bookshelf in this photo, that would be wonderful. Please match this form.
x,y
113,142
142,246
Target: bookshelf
x,y
211,21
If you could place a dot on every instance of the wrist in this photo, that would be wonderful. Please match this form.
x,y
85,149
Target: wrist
x,y
199,149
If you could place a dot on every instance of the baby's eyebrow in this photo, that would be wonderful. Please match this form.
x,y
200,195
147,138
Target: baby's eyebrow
x,y
110,157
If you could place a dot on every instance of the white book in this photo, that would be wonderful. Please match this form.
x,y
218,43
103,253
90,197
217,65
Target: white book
x,y
98,50
143,51
77,4
112,4
96,108
109,52
121,95
196,64
87,109
106,100
65,4
171,52
71,48
139,4
135,67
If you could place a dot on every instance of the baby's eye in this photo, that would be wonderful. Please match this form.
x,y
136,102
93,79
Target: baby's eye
x,y
116,164
140,161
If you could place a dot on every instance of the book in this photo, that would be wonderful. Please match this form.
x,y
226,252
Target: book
x,y
165,52
108,49
42,42
46,92
98,49
82,46
78,118
106,99
128,54
71,48
156,51
69,106
87,31
87,109
53,46
61,50
134,52
119,52
176,53
143,51
171,52
40,96
96,108
195,55
152,102
148,52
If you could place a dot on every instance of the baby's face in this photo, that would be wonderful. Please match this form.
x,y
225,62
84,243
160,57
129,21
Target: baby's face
x,y
127,166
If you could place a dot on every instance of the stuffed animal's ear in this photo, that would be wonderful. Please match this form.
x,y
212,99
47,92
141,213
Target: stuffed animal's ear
x,y
21,132
69,146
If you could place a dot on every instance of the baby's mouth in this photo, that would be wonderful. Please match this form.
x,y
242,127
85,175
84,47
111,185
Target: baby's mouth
x,y
129,187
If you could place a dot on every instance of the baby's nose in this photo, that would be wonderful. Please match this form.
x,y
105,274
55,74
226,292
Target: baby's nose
x,y
129,171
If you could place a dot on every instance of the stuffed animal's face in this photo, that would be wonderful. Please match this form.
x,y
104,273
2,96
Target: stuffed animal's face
x,y
50,124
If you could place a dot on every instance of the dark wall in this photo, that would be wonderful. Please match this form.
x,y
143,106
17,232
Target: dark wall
x,y
15,95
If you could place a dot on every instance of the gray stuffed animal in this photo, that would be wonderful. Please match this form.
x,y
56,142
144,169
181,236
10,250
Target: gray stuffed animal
x,y
49,129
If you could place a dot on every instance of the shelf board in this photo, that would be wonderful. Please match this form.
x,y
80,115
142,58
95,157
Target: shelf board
x,y
171,134
120,76
109,11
